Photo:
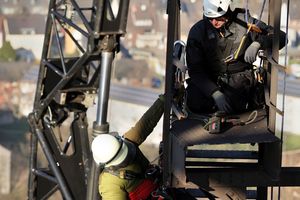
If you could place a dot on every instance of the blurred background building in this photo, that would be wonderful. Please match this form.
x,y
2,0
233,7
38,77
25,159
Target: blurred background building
x,y
139,64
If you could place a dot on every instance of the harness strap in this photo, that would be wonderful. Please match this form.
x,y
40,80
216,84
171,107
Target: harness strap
x,y
124,174
153,172
118,151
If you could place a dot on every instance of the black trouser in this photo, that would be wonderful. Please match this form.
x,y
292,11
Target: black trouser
x,y
199,103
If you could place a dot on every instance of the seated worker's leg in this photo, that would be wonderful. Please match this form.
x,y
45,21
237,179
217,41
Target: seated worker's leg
x,y
238,90
238,99
197,102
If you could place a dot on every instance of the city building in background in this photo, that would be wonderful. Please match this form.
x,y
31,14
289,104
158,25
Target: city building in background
x,y
140,63
5,170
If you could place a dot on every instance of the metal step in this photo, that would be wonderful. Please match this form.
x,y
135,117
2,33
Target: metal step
x,y
203,164
218,177
229,154
200,194
196,158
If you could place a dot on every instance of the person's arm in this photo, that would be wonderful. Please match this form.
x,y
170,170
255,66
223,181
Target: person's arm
x,y
263,40
266,37
195,62
147,123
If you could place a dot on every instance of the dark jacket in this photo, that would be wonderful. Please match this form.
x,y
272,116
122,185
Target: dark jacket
x,y
207,49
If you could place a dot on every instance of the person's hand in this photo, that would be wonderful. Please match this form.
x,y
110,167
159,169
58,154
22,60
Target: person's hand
x,y
221,102
251,52
162,97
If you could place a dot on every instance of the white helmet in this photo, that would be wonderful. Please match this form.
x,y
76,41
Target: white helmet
x,y
215,8
109,150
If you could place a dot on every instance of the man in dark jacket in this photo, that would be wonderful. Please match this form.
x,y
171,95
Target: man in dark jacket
x,y
220,66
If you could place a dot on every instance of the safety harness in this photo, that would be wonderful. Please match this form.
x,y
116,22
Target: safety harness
x,y
144,190
250,27
123,174
149,186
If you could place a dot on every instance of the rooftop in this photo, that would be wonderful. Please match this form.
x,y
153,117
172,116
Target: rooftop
x,y
28,24
13,71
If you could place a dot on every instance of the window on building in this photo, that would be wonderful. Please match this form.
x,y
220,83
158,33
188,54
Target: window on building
x,y
27,31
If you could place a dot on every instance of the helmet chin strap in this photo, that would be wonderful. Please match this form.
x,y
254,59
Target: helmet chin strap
x,y
120,147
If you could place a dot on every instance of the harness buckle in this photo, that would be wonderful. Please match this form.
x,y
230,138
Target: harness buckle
x,y
153,172
229,59
122,174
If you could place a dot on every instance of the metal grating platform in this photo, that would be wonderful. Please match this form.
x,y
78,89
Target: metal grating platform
x,y
191,132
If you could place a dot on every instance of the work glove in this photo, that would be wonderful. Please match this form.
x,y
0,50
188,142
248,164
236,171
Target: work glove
x,y
251,52
221,102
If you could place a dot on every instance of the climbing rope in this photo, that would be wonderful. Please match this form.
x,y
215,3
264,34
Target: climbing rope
x,y
262,10
246,5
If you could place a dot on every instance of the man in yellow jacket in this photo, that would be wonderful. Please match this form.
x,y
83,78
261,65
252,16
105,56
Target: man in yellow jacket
x,y
124,174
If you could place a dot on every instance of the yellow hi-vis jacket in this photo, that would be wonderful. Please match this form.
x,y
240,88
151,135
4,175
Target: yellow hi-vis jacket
x,y
112,187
